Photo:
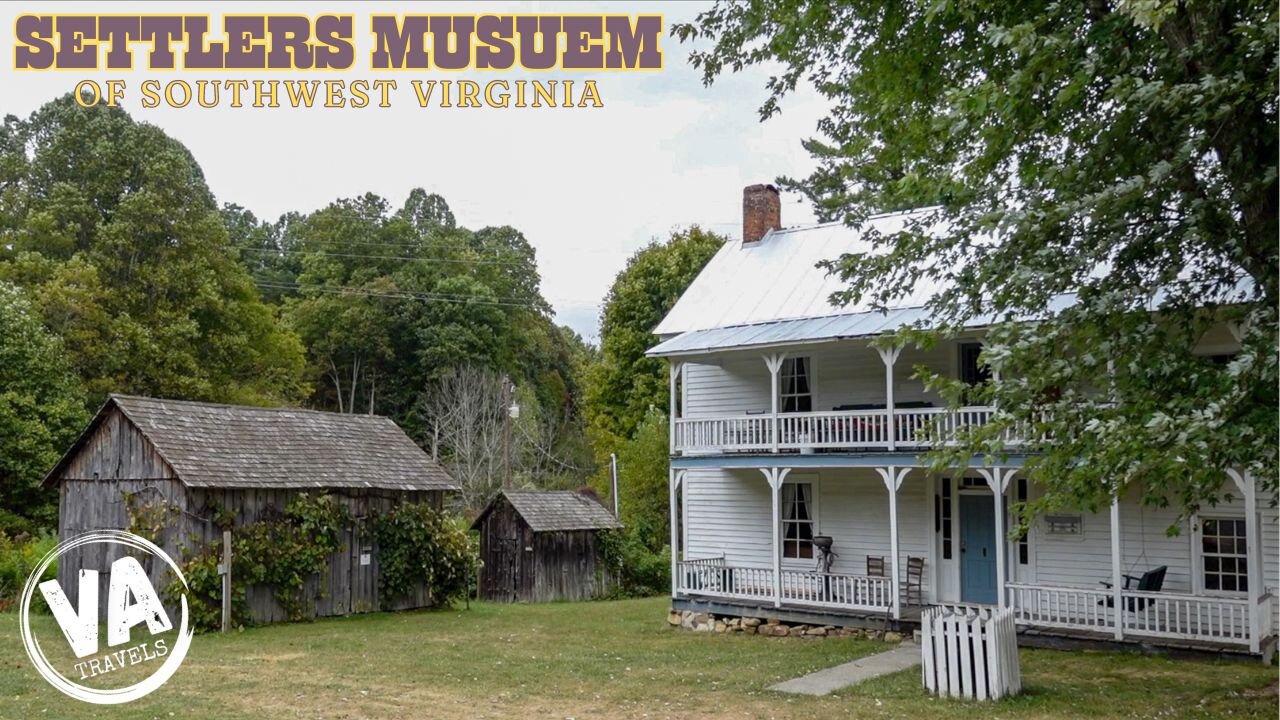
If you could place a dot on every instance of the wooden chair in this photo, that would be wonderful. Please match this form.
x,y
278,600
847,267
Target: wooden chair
x,y
915,580
875,566
1150,581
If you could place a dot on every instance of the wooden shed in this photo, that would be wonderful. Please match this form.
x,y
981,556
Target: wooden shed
x,y
542,545
242,464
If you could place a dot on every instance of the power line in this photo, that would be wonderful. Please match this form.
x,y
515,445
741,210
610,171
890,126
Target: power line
x,y
400,294
462,261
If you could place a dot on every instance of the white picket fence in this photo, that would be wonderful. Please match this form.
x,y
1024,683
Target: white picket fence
x,y
970,653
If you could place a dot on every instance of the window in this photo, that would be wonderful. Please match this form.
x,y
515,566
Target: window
x,y
973,372
797,520
1223,554
795,389
944,515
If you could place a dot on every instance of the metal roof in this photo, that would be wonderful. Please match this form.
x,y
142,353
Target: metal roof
x,y
234,446
811,330
778,278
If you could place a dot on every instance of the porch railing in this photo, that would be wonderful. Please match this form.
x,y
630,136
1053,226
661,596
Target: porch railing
x,y
835,430
1141,614
714,578
837,590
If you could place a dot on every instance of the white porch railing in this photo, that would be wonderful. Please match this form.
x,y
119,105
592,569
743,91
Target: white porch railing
x,y
731,434
1142,614
1061,607
837,590
713,578
835,430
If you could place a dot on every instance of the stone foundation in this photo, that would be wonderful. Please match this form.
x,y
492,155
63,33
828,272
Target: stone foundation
x,y
770,627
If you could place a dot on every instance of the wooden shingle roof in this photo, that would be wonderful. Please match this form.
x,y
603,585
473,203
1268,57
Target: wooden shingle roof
x,y
233,446
556,510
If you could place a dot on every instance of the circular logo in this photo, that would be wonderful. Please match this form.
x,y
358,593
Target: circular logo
x,y
131,601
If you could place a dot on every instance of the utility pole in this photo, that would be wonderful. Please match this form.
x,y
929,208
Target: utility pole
x,y
506,433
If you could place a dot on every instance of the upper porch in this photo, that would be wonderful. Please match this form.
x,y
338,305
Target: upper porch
x,y
829,397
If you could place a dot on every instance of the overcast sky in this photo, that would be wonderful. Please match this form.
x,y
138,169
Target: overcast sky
x,y
586,186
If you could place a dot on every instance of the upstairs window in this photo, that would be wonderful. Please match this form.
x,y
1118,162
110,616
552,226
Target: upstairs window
x,y
797,520
1224,558
795,391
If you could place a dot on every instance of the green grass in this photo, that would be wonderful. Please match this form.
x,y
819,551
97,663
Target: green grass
x,y
601,660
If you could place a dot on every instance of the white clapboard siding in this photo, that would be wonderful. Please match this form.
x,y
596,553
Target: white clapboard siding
x,y
728,515
841,375
969,653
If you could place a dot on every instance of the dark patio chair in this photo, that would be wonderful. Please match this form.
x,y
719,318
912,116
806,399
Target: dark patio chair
x,y
1150,581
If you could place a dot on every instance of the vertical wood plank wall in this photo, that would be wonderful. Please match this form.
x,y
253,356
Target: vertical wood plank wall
x,y
118,461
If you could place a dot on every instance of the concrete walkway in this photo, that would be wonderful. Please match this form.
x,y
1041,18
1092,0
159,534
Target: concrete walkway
x,y
905,655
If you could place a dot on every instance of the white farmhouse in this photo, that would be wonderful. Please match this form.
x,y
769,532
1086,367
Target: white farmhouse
x,y
790,432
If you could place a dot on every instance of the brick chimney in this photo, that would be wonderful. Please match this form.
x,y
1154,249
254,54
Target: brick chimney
x,y
761,212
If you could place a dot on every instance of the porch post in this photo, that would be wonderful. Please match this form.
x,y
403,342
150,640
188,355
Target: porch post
x,y
889,356
673,484
998,480
675,370
1117,582
775,478
892,477
774,363
1247,485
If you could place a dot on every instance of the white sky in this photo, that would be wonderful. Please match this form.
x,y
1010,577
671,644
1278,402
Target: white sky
x,y
587,187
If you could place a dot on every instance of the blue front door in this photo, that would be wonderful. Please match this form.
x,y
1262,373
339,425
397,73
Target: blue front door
x,y
977,549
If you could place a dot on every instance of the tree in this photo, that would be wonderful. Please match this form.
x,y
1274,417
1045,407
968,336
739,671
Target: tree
x,y
112,232
41,412
1123,153
624,384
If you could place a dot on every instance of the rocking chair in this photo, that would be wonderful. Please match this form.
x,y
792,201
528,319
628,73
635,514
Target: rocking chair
x,y
1151,581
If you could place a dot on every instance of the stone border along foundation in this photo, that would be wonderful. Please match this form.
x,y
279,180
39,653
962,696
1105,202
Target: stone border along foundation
x,y
771,627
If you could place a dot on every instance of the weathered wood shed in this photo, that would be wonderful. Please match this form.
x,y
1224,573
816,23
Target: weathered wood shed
x,y
542,545
243,464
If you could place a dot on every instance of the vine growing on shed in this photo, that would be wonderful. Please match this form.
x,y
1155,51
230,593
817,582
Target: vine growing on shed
x,y
281,552
415,544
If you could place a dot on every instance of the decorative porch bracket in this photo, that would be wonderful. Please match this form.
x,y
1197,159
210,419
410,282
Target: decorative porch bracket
x,y
1247,484
775,478
676,477
998,480
893,477
774,363
889,356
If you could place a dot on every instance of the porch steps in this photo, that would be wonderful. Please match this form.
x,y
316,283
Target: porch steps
x,y
905,655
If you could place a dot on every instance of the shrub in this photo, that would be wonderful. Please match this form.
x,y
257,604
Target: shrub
x,y
641,572
18,558
418,544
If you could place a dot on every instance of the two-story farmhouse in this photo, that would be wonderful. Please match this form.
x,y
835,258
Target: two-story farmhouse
x,y
797,489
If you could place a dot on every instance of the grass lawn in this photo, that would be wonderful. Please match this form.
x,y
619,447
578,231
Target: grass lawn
x,y
601,660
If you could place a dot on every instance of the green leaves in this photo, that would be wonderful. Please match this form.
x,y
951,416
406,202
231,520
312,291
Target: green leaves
x,y
418,545
1125,154
116,239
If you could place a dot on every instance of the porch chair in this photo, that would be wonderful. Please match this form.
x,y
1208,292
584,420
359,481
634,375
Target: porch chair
x,y
915,580
875,566
1150,581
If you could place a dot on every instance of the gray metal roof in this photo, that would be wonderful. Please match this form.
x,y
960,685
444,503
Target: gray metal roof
x,y
810,330
234,446
557,510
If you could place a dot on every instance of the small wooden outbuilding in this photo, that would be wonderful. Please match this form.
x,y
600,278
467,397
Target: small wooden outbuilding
x,y
543,545
204,464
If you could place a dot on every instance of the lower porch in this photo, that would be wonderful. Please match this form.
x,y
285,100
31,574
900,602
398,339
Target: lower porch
x,y
933,541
